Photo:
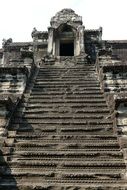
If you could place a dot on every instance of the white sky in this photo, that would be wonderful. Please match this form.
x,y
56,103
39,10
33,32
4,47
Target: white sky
x,y
18,17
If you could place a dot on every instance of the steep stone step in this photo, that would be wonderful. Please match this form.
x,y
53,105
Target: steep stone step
x,y
67,164
84,92
67,68
65,110
62,116
61,83
64,132
59,106
41,184
62,145
67,85
44,101
68,72
81,174
57,148
52,152
41,137
80,68
74,88
84,79
75,128
73,125
94,131
61,112
74,105
57,120
66,96
91,155
108,131
75,182
87,78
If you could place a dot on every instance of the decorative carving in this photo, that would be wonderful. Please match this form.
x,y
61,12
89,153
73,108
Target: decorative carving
x,y
66,16
6,42
34,31
39,34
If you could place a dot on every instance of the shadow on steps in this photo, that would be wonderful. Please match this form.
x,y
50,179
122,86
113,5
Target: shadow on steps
x,y
7,180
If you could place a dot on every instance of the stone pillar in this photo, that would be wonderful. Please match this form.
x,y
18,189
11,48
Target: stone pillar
x,y
50,40
81,40
77,45
57,47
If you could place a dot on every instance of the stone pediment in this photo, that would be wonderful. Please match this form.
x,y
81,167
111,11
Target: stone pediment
x,y
66,16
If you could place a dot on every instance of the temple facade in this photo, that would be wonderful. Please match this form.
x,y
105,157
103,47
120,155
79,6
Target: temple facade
x,y
63,109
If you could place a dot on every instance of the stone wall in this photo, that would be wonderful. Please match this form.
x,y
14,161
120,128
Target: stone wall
x,y
16,67
119,48
12,80
113,77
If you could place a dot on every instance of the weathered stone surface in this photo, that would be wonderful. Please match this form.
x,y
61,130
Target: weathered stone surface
x,y
66,16
63,110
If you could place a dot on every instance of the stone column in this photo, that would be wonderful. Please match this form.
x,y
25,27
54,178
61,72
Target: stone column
x,y
81,40
77,44
50,40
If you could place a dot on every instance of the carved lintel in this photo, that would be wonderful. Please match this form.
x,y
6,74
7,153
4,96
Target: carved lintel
x,y
66,16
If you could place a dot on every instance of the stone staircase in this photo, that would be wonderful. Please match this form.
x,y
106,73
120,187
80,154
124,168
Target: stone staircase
x,y
63,136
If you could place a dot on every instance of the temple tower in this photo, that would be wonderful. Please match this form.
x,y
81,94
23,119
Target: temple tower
x,y
66,34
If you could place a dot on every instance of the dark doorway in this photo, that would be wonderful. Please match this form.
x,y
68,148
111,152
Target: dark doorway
x,y
66,49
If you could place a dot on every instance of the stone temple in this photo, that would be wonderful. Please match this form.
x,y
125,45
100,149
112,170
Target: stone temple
x,y
63,109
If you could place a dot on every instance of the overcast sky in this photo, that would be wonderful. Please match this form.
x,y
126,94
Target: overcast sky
x,y
18,17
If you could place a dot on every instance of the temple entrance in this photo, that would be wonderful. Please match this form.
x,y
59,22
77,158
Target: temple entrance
x,y
66,34
67,48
